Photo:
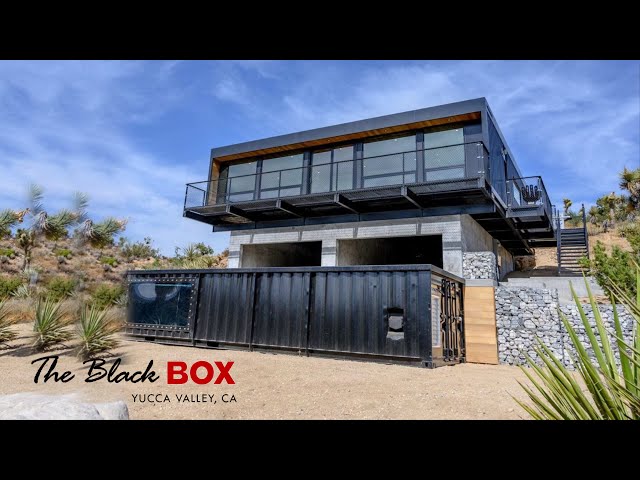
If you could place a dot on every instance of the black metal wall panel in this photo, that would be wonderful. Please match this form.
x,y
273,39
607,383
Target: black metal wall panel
x,y
372,311
225,308
350,312
281,310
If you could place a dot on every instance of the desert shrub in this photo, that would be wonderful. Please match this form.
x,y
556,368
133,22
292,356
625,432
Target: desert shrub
x,y
106,295
195,255
584,263
60,288
49,325
8,286
7,333
111,261
194,250
96,331
140,250
157,264
631,232
617,268
7,252
64,252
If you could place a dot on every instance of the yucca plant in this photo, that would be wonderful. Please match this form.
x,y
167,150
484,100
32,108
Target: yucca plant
x,y
49,325
24,292
602,388
7,333
96,331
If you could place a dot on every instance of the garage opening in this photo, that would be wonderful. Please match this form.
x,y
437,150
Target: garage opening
x,y
294,254
391,251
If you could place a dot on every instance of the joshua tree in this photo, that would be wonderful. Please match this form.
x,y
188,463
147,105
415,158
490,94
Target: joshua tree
x,y
54,227
567,205
26,241
630,181
100,234
9,219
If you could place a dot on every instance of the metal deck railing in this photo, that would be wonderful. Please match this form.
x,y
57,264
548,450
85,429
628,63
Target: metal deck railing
x,y
526,193
396,169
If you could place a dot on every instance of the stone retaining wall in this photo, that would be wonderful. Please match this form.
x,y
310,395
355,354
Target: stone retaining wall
x,y
479,265
524,313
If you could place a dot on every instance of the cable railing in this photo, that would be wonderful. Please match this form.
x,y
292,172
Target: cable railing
x,y
449,162
526,192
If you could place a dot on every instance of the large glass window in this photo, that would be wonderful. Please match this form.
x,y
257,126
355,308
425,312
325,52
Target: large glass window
x,y
444,154
159,303
241,181
343,169
332,170
389,162
281,176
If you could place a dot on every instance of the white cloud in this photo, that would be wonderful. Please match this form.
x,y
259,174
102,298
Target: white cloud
x,y
67,132
563,120
74,125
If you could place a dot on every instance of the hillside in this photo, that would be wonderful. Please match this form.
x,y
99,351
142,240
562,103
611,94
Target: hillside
x,y
546,260
90,267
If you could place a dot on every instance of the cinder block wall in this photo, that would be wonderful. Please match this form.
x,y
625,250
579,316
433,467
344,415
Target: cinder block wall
x,y
448,226
468,250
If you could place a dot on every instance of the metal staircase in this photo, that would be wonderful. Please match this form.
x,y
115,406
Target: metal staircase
x,y
573,244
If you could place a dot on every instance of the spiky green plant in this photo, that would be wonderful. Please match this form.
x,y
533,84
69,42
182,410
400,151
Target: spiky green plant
x,y
56,226
612,387
9,219
6,324
101,234
23,291
49,325
96,332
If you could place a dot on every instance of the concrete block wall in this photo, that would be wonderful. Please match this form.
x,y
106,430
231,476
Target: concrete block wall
x,y
468,250
449,226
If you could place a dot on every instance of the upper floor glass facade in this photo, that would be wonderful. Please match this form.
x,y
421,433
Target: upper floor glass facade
x,y
424,155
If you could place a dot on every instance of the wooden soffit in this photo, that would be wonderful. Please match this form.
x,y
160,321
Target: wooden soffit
x,y
352,136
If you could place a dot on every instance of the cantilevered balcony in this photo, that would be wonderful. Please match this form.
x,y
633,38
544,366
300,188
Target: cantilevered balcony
x,y
435,181
447,176
530,209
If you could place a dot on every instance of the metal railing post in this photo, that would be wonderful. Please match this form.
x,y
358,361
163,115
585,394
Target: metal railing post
x,y
186,192
584,226
559,243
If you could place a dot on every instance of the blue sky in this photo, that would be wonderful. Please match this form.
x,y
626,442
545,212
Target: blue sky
x,y
131,134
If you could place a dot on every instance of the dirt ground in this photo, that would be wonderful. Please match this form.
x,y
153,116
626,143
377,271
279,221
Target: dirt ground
x,y
283,386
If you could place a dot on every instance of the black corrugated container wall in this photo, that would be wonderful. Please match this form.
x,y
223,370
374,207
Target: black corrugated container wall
x,y
371,312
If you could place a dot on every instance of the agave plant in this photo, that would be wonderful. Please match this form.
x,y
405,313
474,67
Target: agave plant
x,y
6,331
612,386
96,331
49,325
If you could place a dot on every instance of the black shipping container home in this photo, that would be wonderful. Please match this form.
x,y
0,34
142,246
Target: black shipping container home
x,y
396,313
354,239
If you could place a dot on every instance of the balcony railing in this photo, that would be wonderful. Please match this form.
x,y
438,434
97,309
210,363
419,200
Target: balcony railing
x,y
397,169
526,192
